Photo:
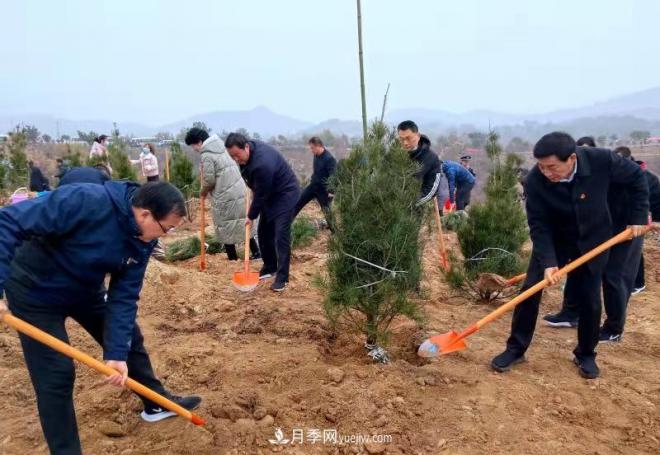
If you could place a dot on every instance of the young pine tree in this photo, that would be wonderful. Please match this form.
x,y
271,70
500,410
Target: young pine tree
x,y
496,230
122,169
18,173
182,174
376,222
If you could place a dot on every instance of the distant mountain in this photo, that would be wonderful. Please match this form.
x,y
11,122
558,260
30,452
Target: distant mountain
x,y
350,128
640,110
51,125
644,105
260,119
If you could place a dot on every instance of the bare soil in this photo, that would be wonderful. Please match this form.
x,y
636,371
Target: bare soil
x,y
263,361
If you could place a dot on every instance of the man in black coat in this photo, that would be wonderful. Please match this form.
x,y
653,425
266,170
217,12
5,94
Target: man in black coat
x,y
418,147
38,182
275,194
324,166
568,215
620,271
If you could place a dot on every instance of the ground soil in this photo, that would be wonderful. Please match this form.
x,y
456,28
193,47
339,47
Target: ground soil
x,y
263,361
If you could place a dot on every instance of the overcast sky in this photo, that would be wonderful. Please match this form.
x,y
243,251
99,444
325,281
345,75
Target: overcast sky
x,y
159,61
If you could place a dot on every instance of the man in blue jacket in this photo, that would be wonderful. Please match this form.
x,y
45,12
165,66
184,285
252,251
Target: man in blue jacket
x,y
55,252
324,166
275,194
461,182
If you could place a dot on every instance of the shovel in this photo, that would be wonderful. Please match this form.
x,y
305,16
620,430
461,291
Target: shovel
x,y
452,341
202,233
246,281
441,239
70,351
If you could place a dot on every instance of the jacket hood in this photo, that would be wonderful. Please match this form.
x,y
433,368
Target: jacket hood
x,y
423,146
213,145
121,195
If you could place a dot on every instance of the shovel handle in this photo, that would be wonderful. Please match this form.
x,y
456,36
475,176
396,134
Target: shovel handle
x,y
202,233
515,279
622,237
443,251
70,351
246,257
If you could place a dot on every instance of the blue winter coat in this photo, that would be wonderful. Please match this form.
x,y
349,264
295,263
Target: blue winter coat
x,y
62,245
457,175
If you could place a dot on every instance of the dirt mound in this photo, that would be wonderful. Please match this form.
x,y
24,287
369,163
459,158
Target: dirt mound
x,y
264,361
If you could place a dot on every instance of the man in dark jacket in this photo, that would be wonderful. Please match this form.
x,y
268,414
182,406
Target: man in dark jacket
x,y
275,192
568,215
324,166
465,162
620,271
418,147
460,181
98,174
62,168
38,182
55,252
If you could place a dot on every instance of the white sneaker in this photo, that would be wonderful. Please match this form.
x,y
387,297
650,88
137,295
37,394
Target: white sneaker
x,y
637,290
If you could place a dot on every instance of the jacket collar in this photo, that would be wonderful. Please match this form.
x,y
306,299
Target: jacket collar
x,y
583,165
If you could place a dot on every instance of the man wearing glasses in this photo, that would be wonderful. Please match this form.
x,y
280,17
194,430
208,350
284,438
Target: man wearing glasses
x,y
55,252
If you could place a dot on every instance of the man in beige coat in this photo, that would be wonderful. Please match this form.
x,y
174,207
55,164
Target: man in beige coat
x,y
221,178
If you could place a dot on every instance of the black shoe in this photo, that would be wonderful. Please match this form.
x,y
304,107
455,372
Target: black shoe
x,y
606,336
505,361
587,366
156,413
255,256
560,319
265,274
278,285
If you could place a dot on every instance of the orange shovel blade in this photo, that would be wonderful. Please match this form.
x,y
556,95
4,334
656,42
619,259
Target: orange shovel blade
x,y
245,281
441,344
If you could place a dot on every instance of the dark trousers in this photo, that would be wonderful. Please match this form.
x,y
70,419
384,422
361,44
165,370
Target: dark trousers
x,y
463,193
53,374
321,195
232,254
618,281
640,281
274,234
587,290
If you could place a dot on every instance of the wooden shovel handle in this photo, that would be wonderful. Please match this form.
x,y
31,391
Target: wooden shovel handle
x,y
202,233
438,221
202,223
246,258
91,362
622,237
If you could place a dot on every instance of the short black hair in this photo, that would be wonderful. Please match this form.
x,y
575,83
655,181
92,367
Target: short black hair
x,y
236,140
30,163
315,140
196,136
161,199
101,138
408,125
559,144
103,169
586,140
624,151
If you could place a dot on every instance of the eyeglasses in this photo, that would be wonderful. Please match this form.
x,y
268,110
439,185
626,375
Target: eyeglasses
x,y
165,231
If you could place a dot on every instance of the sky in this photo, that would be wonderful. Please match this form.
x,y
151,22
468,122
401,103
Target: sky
x,y
156,62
